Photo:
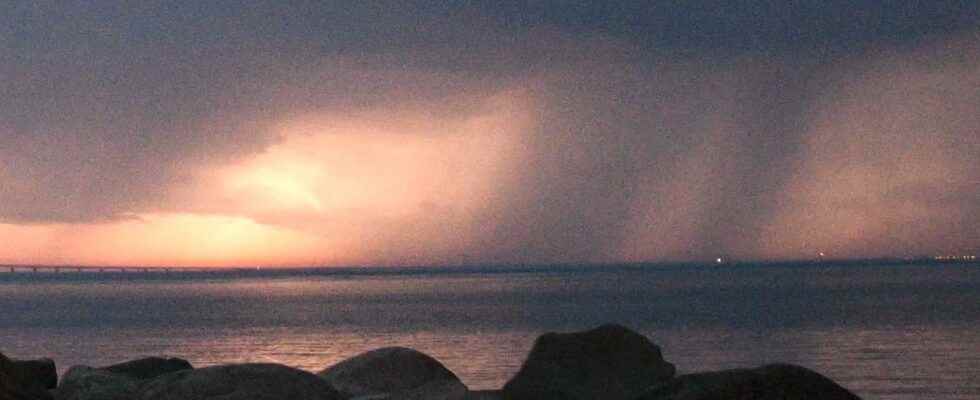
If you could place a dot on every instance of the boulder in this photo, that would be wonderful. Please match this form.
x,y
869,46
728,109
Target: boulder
x,y
394,373
12,387
41,372
239,382
148,368
609,362
119,381
87,383
770,382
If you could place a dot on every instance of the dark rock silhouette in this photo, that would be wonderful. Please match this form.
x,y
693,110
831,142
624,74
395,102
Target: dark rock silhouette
x,y
14,386
87,383
239,382
770,382
41,372
119,381
397,373
610,362
148,368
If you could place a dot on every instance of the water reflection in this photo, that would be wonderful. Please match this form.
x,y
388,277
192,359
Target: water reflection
x,y
889,333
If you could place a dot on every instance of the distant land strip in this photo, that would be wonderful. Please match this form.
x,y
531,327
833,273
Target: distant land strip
x,y
510,268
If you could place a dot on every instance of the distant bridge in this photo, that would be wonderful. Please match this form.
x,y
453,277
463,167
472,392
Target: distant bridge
x,y
78,269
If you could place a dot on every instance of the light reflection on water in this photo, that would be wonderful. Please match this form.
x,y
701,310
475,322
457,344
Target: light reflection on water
x,y
897,333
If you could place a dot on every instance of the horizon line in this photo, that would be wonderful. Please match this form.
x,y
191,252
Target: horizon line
x,y
818,260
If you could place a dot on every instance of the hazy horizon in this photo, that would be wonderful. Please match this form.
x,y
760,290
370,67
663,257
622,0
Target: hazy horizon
x,y
816,261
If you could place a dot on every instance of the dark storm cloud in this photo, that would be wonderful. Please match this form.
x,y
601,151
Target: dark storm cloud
x,y
697,109
106,104
613,135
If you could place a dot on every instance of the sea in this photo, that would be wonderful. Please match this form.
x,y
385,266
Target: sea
x,y
882,331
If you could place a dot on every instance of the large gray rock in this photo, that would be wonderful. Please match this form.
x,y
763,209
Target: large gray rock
x,y
41,372
770,382
610,362
115,382
13,387
394,373
148,368
239,382
87,383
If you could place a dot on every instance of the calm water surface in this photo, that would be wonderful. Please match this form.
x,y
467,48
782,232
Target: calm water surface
x,y
885,332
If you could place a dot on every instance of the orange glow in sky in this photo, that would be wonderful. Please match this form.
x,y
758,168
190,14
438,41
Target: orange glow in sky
x,y
335,190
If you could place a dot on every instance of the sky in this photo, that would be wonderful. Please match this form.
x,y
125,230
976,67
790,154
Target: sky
x,y
323,133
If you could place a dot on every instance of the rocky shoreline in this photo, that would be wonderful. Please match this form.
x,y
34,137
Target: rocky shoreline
x,y
610,362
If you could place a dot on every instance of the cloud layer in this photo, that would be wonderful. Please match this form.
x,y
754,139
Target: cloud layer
x,y
176,133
